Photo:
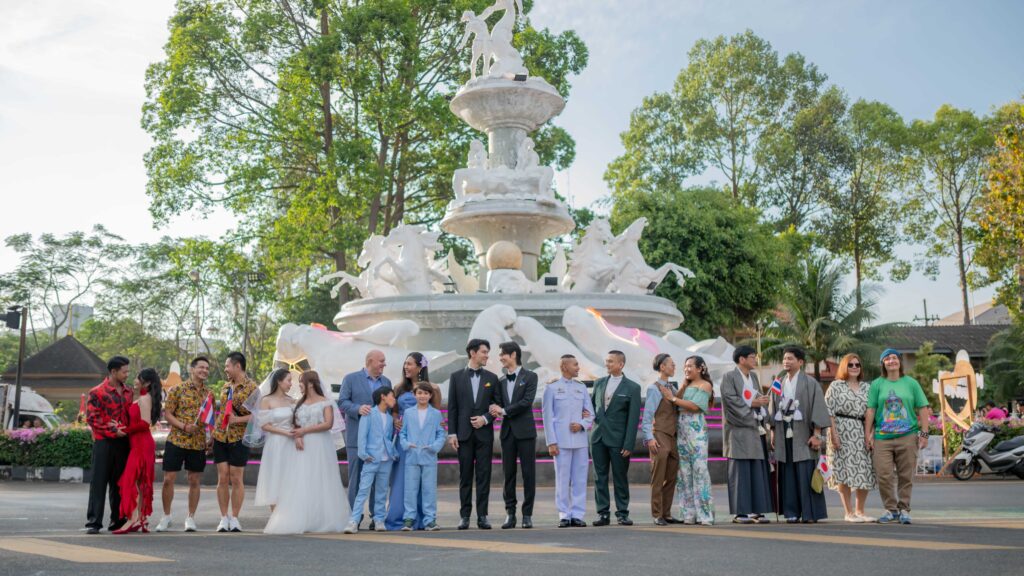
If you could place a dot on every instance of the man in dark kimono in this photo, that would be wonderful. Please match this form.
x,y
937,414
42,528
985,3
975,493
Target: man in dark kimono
x,y
744,429
799,415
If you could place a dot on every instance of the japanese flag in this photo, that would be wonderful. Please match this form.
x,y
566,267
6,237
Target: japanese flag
x,y
824,468
748,396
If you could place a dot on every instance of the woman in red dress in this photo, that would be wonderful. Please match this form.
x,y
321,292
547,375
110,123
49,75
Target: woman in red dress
x,y
137,480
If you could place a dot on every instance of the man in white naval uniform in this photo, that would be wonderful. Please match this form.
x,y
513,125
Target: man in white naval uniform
x,y
568,414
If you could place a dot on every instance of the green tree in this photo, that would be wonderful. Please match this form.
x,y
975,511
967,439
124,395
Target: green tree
x,y
732,92
1004,370
733,256
863,218
927,366
950,152
56,272
1001,251
129,338
819,317
319,122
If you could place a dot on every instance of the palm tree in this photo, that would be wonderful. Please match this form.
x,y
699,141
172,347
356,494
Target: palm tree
x,y
823,320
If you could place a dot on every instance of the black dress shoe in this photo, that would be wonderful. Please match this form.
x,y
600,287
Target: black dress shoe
x,y
373,525
672,520
92,530
118,525
482,523
464,524
660,522
577,523
510,522
527,521
602,520
564,523
625,521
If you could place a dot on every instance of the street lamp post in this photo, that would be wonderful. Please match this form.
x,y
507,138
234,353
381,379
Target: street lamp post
x,y
250,279
194,275
16,314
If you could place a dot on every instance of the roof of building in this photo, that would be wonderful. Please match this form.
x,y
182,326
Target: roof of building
x,y
66,363
986,313
946,339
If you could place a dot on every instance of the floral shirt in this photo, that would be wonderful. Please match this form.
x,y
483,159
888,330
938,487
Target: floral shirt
x,y
106,405
185,401
234,432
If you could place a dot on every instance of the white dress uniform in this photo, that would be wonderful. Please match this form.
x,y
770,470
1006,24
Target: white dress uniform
x,y
564,403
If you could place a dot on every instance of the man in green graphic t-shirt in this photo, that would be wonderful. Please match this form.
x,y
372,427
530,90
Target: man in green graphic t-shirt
x,y
895,428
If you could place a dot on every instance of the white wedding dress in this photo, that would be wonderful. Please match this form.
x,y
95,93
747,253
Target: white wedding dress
x,y
312,498
279,455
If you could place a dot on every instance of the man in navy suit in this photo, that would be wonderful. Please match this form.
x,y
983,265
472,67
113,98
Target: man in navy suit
x,y
355,400
471,391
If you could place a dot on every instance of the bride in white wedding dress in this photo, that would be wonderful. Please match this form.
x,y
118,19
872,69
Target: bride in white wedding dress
x,y
311,497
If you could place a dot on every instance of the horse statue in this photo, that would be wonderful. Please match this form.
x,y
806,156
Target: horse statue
x,y
591,267
414,273
467,180
633,275
505,58
375,281
528,161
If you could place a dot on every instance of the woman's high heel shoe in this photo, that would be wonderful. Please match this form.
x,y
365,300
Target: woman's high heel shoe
x,y
145,526
133,527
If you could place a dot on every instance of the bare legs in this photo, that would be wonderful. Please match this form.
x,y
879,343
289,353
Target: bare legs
x,y
230,489
857,506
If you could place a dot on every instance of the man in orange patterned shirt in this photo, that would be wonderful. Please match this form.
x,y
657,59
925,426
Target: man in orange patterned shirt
x,y
229,454
186,443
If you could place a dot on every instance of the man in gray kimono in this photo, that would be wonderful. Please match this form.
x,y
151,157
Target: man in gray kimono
x,y
799,416
745,428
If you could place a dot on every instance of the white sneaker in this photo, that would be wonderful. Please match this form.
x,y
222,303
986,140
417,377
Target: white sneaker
x,y
351,528
224,524
380,527
164,524
190,524
234,525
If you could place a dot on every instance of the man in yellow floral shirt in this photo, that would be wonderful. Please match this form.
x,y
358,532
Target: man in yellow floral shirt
x,y
186,443
229,453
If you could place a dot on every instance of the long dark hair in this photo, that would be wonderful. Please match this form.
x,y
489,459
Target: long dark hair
x,y
276,377
705,374
423,375
151,383
311,379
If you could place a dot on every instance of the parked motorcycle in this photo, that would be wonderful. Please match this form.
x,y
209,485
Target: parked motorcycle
x,y
1007,457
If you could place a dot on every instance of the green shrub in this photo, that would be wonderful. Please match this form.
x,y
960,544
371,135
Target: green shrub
x,y
36,447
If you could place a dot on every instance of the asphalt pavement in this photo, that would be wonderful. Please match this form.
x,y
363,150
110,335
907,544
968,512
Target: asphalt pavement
x,y
974,527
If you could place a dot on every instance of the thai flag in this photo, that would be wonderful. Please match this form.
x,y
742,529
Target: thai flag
x,y
207,415
777,387
226,417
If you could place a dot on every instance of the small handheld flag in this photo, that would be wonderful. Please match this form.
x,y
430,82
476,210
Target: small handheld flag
x,y
748,396
207,415
226,417
777,387
824,468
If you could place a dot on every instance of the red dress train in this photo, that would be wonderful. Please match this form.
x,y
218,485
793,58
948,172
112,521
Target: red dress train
x,y
138,472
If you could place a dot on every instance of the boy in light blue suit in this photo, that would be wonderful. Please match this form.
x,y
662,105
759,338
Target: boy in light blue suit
x,y
422,437
377,452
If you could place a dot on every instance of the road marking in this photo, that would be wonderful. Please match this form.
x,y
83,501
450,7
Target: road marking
x,y
818,538
464,544
1011,524
73,553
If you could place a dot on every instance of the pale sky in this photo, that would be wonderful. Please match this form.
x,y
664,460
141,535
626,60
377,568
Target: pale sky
x,y
71,92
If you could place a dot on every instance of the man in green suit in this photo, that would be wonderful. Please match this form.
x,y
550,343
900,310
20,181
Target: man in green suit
x,y
617,403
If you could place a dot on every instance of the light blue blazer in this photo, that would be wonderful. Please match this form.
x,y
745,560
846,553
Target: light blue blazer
x,y
429,439
376,438
356,391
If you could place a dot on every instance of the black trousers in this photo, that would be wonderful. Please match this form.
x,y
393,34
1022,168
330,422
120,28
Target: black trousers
x,y
606,457
474,465
108,460
526,452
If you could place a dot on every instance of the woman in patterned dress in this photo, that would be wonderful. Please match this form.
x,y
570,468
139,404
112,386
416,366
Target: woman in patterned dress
x,y
693,482
852,472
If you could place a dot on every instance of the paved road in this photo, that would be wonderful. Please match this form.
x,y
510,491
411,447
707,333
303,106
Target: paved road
x,y
960,528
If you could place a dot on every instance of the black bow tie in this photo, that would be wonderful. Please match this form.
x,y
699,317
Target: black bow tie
x,y
511,376
475,372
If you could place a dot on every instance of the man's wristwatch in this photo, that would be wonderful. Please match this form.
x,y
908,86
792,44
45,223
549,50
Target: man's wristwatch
x,y
922,434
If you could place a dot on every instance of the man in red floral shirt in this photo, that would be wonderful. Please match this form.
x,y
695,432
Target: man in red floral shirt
x,y
107,416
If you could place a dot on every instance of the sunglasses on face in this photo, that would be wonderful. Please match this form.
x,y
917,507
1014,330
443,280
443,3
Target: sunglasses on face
x,y
853,365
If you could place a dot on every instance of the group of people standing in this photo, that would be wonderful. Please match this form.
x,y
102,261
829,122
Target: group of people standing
x,y
774,441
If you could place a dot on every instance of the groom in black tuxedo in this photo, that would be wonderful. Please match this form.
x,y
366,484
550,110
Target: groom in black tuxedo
x,y
517,390
471,391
